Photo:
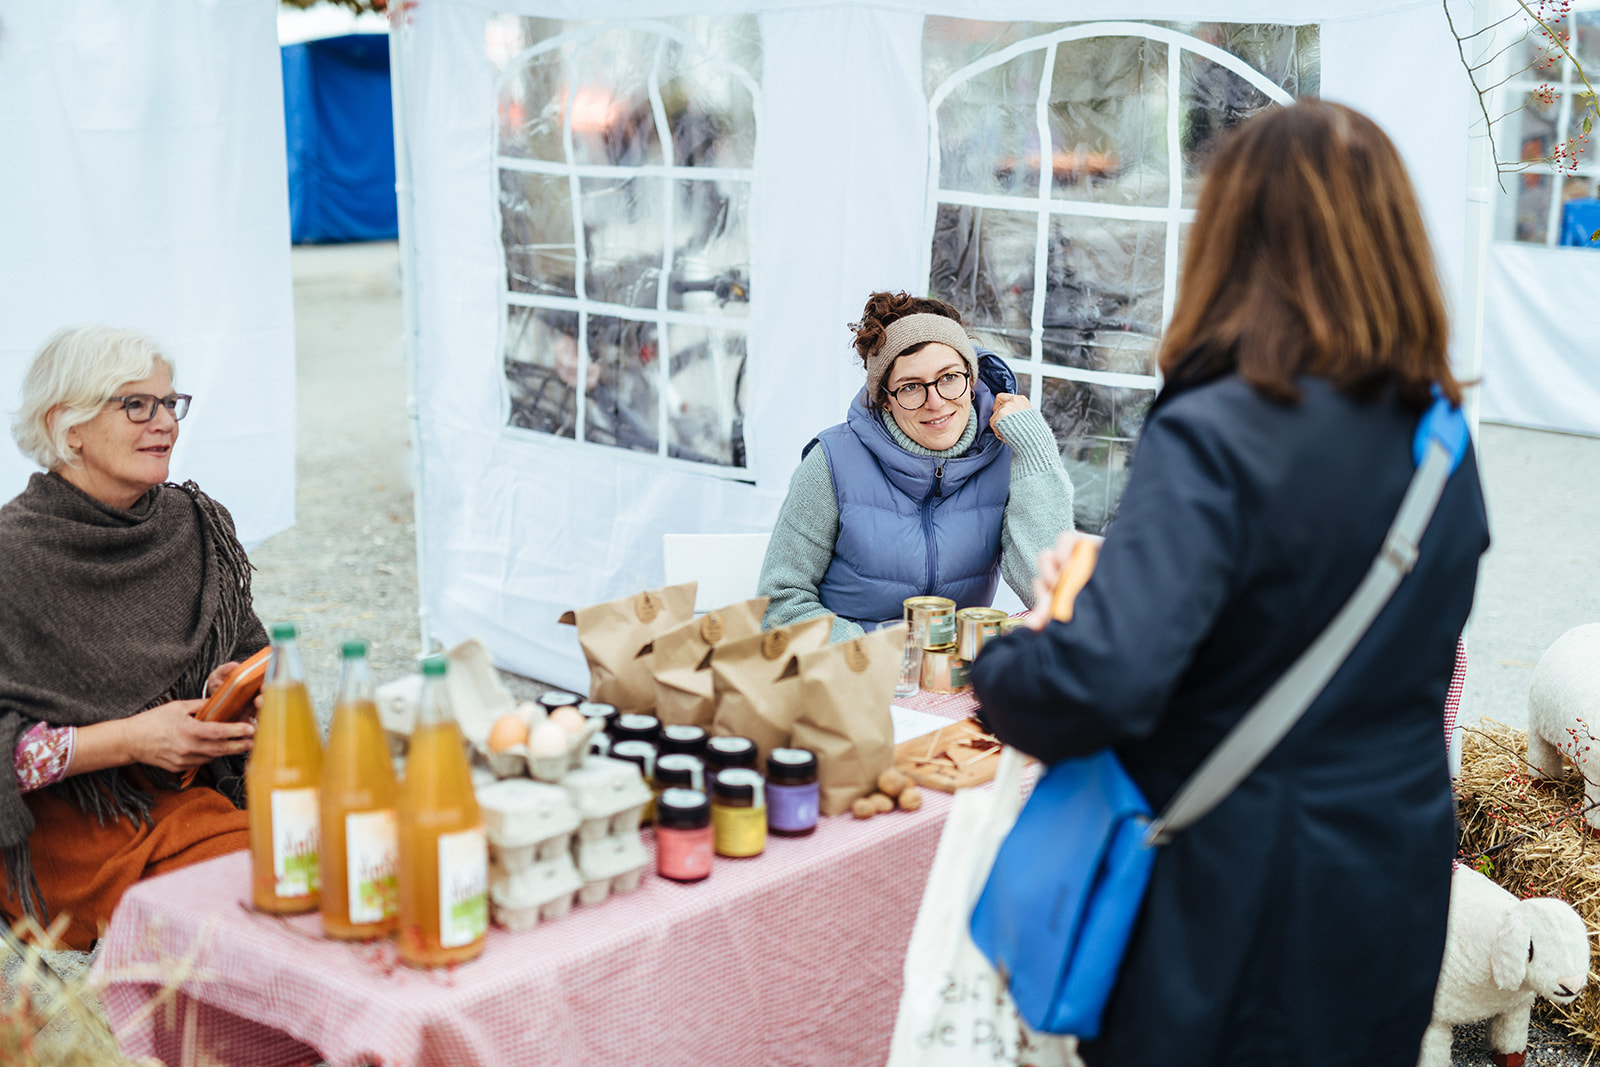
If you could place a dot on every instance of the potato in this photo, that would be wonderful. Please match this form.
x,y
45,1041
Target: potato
x,y
863,808
910,798
891,781
881,803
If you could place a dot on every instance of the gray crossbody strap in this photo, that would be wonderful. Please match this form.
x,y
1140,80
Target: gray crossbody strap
x,y
1248,743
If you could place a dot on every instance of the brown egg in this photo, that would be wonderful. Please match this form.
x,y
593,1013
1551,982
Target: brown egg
x,y
863,808
570,719
910,798
881,803
507,730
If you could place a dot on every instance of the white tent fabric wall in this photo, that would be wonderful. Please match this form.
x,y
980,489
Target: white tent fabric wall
x,y
517,527
145,186
1541,357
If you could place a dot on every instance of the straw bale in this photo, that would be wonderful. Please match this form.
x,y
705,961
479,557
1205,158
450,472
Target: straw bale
x,y
1530,836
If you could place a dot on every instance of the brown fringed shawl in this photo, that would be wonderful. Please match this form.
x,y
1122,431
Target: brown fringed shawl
x,y
105,612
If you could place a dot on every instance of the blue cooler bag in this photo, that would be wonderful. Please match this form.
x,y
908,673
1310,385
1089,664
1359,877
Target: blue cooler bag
x,y
1065,889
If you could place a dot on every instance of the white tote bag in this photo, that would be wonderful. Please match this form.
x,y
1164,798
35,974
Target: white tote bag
x,y
954,1011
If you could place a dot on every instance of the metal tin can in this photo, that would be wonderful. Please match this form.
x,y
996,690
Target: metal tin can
x,y
974,626
932,619
944,671
1009,623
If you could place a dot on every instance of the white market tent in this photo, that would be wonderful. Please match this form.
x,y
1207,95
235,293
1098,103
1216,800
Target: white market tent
x,y
682,205
144,186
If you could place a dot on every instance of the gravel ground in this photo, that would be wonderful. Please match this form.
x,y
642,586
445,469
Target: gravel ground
x,y
348,567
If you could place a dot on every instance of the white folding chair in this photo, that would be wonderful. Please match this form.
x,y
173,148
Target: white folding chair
x,y
727,566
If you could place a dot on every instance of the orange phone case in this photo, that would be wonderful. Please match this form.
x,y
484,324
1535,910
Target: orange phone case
x,y
232,697
237,690
1073,577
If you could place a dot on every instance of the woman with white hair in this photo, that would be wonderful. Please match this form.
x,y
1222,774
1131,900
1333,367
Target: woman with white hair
x,y
124,599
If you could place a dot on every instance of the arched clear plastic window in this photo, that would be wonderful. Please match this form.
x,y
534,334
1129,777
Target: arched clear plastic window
x,y
1069,269
625,160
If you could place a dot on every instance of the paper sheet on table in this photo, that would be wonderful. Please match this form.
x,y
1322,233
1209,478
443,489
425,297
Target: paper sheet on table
x,y
909,723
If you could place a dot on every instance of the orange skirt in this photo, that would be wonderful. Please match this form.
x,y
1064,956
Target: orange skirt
x,y
83,868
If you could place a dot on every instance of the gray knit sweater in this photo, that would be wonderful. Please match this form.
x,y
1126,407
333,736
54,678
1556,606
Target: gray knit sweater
x,y
801,549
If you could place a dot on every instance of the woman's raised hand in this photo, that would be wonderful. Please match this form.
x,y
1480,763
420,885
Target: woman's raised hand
x,y
168,736
1005,404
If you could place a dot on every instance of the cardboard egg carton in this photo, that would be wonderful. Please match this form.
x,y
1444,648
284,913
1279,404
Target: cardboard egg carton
x,y
610,796
519,815
544,890
611,864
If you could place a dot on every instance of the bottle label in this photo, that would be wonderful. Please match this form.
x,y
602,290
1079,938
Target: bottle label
x,y
372,864
463,887
792,807
684,855
738,831
296,828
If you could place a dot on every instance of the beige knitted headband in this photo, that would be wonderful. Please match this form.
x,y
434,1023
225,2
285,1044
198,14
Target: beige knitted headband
x,y
903,333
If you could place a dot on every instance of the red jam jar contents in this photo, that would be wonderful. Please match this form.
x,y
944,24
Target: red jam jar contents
x,y
738,813
683,835
726,753
635,728
792,792
690,740
677,770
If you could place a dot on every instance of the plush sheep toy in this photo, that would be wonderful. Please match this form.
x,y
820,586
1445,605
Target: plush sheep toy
x,y
1499,954
1564,711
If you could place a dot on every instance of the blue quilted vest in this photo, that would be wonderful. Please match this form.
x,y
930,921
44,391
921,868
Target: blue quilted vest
x,y
912,525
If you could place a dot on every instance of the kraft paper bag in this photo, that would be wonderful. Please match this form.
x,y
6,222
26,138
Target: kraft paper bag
x,y
753,698
845,691
682,668
618,641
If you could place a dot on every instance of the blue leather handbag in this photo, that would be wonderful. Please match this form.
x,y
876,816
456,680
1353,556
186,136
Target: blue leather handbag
x,y
1068,882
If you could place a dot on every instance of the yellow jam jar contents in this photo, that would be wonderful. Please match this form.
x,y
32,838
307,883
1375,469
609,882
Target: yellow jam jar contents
x,y
360,832
444,855
281,785
642,754
738,813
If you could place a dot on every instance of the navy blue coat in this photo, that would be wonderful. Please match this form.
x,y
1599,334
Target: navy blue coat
x,y
1301,921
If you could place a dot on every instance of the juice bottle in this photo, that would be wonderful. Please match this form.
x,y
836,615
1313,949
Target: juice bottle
x,y
281,783
444,857
360,844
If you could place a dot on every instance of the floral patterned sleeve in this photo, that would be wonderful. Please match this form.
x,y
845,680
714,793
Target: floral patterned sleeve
x,y
42,755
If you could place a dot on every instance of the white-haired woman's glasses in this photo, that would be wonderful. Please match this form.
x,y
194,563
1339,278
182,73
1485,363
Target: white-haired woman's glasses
x,y
142,407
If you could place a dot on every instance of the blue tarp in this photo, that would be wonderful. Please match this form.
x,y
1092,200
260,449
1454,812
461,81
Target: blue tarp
x,y
1579,219
340,138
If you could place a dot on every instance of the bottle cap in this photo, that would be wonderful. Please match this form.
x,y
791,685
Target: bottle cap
x,y
731,751
556,699
434,666
738,783
636,728
353,649
641,754
283,631
787,766
683,738
680,769
682,809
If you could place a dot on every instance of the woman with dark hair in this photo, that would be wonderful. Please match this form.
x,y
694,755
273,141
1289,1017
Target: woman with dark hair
x,y
124,599
1302,920
940,480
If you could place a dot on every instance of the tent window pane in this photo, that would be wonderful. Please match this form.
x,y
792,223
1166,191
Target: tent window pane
x,y
1127,115
625,156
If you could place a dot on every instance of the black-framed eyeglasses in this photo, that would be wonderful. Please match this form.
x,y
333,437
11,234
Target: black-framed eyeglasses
x,y
952,385
142,407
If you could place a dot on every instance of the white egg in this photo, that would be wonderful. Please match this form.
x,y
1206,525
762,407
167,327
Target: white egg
x,y
570,719
547,739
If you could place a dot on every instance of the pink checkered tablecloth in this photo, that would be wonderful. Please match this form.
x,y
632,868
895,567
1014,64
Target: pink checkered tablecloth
x,y
791,957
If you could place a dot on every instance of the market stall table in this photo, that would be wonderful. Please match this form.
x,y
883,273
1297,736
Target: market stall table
x,y
791,957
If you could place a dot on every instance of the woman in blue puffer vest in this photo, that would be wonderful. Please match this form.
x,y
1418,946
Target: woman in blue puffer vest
x,y
939,481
